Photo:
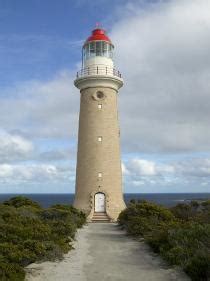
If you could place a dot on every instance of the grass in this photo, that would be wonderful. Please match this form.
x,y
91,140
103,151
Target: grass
x,y
30,233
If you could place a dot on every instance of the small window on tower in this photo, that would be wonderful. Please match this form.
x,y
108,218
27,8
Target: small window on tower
x,y
99,106
100,175
100,139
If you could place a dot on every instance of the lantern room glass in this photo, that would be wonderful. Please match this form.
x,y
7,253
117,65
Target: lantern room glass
x,y
97,48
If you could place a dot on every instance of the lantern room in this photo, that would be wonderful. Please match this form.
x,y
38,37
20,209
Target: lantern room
x,y
97,56
97,49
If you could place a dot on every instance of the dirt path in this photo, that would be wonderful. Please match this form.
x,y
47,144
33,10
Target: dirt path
x,y
103,252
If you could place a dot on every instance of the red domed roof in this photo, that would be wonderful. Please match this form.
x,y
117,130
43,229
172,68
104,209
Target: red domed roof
x,y
98,34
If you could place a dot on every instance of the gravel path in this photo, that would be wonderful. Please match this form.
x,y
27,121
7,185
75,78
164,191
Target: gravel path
x,y
103,252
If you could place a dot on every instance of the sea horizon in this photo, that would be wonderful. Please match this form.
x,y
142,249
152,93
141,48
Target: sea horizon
x,y
123,193
166,199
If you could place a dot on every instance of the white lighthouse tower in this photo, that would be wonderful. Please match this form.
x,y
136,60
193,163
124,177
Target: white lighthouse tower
x,y
99,177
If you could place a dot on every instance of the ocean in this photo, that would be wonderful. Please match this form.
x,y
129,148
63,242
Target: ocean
x,y
165,199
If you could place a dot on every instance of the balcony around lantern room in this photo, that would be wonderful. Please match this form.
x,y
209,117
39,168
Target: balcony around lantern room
x,y
101,70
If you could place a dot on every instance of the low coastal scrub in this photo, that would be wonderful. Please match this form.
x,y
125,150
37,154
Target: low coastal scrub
x,y
30,233
181,235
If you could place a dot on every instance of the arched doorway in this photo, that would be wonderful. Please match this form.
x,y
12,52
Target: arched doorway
x,y
100,204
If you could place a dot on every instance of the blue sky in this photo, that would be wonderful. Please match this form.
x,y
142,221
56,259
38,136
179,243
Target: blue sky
x,y
163,106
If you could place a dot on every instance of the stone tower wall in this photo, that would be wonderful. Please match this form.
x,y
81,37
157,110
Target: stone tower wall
x,y
96,157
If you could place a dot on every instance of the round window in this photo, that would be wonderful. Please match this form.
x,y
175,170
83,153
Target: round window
x,y
100,95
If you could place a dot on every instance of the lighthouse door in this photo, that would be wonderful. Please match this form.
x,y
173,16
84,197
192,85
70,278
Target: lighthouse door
x,y
99,202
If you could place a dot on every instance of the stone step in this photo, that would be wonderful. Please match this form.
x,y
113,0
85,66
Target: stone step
x,y
93,221
100,214
100,217
99,220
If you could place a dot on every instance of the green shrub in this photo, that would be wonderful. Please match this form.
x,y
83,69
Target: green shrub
x,y
140,218
29,233
180,235
198,268
20,201
183,211
206,204
36,247
11,272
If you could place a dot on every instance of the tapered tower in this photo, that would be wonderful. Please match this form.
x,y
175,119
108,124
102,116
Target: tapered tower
x,y
98,175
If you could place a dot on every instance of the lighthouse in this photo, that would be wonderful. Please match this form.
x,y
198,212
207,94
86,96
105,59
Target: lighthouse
x,y
98,190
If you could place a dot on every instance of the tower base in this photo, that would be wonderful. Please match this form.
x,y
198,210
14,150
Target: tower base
x,y
113,207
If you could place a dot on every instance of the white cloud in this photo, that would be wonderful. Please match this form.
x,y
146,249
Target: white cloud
x,y
54,155
199,167
180,175
5,171
146,168
14,147
125,171
42,109
190,167
163,53
34,173
143,167
138,183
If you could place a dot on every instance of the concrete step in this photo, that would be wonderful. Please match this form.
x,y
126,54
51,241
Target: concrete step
x,y
100,217
103,219
93,220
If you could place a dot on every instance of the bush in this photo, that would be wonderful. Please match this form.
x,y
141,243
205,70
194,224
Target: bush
x,y
141,218
199,268
20,201
181,235
29,233
187,211
11,271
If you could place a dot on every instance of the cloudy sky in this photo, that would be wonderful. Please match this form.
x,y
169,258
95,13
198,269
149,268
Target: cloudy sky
x,y
162,49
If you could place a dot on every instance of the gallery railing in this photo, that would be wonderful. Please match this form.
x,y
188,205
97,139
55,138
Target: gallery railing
x,y
98,70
